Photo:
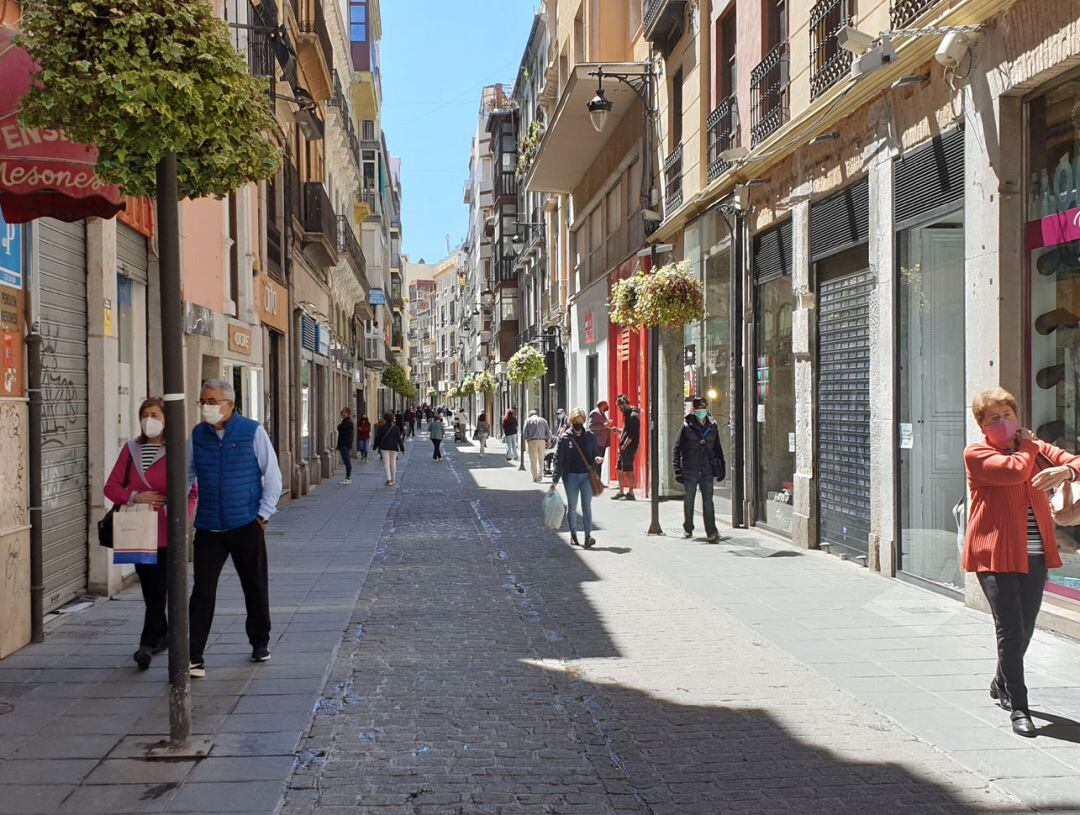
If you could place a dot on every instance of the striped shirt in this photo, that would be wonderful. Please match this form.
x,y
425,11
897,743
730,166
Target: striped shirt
x,y
1034,536
149,455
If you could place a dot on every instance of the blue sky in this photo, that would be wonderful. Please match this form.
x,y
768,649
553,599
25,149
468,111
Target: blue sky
x,y
436,56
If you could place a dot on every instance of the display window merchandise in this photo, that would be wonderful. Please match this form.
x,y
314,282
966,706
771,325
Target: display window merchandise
x,y
1052,244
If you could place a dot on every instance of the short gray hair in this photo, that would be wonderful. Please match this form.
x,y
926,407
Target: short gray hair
x,y
226,388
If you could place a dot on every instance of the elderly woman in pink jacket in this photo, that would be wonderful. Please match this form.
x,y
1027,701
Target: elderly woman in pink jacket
x,y
139,477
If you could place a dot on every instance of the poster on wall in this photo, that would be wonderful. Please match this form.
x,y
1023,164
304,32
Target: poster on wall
x,y
11,343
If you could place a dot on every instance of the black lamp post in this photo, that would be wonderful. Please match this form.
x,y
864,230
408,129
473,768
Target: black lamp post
x,y
643,83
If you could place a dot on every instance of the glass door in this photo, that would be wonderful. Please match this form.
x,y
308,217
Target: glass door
x,y
932,403
774,403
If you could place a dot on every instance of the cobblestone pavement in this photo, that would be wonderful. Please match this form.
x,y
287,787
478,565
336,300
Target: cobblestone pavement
x,y
491,668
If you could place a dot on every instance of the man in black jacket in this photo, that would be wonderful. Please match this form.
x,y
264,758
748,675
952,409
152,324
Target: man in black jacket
x,y
698,459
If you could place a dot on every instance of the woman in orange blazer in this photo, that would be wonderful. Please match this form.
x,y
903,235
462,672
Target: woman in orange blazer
x,y
1009,542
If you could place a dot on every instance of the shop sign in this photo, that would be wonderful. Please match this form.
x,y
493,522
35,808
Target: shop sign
x,y
273,303
377,297
590,326
239,339
11,260
198,320
11,343
689,355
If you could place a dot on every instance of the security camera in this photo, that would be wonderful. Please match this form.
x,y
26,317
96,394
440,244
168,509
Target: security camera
x,y
953,49
853,40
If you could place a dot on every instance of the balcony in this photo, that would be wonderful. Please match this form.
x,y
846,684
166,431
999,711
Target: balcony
x,y
506,185
769,94
723,130
339,102
905,12
319,233
662,22
368,205
349,249
314,49
673,190
505,274
828,61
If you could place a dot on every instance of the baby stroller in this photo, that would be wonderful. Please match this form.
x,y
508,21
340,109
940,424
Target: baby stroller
x,y
549,461
459,432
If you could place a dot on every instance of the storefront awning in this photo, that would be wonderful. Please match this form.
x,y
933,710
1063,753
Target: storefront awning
x,y
571,144
42,174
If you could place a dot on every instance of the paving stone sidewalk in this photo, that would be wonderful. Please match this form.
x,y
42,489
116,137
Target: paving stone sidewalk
x,y
491,668
77,716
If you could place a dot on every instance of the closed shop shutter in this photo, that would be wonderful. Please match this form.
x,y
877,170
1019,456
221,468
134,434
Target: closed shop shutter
x,y
62,249
929,179
843,432
131,257
772,253
840,221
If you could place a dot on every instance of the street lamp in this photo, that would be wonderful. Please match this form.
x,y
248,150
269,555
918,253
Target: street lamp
x,y
599,108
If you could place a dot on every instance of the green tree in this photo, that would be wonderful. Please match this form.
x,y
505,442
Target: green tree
x,y
141,78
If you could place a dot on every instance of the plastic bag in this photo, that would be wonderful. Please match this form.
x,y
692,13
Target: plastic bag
x,y
553,510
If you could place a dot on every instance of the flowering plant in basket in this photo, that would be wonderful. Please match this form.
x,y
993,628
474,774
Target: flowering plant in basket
x,y
672,296
525,365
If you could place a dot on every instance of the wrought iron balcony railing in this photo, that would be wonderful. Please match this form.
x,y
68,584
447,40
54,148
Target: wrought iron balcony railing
x,y
723,129
769,94
312,20
904,12
828,61
349,248
673,187
662,22
319,216
339,101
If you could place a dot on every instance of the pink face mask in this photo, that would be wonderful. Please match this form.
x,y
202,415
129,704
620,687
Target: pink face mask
x,y
1001,432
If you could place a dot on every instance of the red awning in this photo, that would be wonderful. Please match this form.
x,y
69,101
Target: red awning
x,y
42,174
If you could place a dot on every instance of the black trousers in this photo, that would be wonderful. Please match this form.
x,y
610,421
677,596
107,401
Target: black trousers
x,y
153,579
1014,600
692,484
437,443
246,546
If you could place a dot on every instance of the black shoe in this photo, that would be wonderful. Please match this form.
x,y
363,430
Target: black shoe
x,y
161,646
999,697
713,538
688,533
142,657
630,496
1022,724
618,496
573,540
260,653
590,542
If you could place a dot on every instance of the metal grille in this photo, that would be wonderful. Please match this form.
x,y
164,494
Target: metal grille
x,y
930,177
840,221
843,432
904,12
769,94
338,100
319,214
828,61
723,127
308,334
673,191
772,253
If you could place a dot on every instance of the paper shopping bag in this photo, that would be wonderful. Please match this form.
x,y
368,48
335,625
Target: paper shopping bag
x,y
135,534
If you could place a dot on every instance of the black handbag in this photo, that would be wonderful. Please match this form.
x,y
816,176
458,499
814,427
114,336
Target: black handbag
x,y
105,525
717,463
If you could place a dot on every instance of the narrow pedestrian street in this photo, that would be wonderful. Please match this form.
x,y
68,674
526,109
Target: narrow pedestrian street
x,y
436,650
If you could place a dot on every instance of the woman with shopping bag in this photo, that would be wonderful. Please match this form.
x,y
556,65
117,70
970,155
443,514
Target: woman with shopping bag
x,y
139,479
576,453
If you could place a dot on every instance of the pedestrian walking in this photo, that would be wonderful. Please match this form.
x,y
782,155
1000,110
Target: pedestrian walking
x,y
600,425
363,435
481,432
345,432
236,467
629,442
399,420
1009,541
139,477
698,459
391,443
576,452
537,437
510,434
436,429
380,428
410,421
561,422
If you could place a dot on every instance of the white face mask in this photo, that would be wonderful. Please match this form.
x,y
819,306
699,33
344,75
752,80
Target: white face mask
x,y
212,414
152,427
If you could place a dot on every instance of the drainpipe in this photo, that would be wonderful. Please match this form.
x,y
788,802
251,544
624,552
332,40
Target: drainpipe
x,y
37,579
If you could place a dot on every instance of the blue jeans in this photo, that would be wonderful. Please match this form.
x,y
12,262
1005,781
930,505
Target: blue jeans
x,y
362,447
578,484
346,459
692,482
511,445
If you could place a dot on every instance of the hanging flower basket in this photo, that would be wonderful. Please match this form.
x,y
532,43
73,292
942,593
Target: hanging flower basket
x,y
670,297
484,382
527,364
467,387
624,299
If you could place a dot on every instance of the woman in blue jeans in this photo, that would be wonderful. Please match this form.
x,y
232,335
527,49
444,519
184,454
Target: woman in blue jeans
x,y
576,454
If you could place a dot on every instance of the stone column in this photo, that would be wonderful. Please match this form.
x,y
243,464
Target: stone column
x,y
804,531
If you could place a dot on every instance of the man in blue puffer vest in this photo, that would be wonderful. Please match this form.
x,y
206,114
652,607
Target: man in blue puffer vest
x,y
235,464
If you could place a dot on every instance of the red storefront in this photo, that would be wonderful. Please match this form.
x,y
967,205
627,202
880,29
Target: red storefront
x,y
628,372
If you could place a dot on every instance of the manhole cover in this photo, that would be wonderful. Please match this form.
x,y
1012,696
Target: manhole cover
x,y
108,622
6,708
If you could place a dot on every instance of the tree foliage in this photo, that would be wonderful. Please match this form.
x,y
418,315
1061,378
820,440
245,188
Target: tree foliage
x,y
141,78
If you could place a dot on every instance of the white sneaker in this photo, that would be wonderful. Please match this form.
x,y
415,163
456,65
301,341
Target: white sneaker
x,y
345,482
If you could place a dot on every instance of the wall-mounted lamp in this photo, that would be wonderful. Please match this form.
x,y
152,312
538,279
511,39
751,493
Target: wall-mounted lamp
x,y
821,138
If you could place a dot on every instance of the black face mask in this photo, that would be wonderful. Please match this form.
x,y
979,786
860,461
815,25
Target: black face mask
x,y
578,427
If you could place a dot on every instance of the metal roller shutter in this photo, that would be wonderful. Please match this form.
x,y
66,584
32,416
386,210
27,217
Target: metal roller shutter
x,y
62,252
840,221
131,257
772,253
929,179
